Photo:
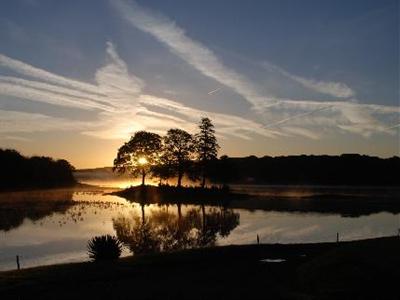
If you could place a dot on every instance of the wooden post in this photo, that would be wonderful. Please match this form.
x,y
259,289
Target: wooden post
x,y
337,237
18,266
258,240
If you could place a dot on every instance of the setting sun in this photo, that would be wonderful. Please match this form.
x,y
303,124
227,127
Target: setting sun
x,y
142,161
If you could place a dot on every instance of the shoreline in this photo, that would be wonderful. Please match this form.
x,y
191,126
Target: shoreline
x,y
313,269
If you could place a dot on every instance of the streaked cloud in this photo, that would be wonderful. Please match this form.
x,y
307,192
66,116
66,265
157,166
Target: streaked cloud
x,y
121,107
276,112
22,122
331,88
191,51
117,98
31,71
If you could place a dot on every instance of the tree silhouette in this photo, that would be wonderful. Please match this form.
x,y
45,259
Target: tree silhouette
x,y
166,231
139,156
162,171
178,150
222,170
18,171
206,147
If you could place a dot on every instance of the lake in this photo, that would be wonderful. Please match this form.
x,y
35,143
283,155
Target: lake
x,y
54,226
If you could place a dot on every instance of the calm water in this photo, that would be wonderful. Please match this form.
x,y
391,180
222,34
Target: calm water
x,y
50,227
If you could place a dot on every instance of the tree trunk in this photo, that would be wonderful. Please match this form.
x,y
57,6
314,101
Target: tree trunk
x,y
143,176
203,181
179,212
180,175
143,215
203,174
203,210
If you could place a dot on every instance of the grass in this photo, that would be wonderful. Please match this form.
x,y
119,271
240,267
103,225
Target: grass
x,y
347,270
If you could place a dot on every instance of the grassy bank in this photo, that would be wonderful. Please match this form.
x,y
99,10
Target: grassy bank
x,y
348,270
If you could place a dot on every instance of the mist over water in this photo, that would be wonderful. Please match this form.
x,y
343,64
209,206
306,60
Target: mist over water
x,y
105,177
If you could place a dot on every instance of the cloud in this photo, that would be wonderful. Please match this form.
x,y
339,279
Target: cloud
x,y
331,88
226,124
121,107
31,71
356,118
116,82
116,98
52,94
22,122
193,52
276,112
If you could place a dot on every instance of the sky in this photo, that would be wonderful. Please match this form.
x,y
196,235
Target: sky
x,y
78,78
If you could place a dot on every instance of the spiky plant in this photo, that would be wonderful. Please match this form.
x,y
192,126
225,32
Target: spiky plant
x,y
105,247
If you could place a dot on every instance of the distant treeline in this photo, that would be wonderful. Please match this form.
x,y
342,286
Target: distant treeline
x,y
18,171
346,169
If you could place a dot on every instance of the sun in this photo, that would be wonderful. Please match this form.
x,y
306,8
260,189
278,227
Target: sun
x,y
142,161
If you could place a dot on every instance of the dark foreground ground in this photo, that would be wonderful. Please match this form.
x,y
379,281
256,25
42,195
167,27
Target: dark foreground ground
x,y
368,269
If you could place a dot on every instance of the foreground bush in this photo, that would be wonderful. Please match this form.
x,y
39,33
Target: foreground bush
x,y
105,247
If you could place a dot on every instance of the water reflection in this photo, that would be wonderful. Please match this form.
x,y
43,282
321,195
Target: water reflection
x,y
46,227
167,231
15,207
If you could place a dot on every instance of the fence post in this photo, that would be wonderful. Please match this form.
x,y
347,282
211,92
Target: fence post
x,y
18,266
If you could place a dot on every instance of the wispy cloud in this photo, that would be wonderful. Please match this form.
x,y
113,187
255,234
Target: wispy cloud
x,y
117,98
48,93
331,88
191,51
22,122
276,112
226,124
364,119
122,108
31,71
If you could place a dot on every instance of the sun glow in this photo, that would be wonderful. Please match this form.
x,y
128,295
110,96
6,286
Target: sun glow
x,y
142,161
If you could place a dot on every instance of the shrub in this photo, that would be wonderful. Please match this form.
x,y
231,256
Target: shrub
x,y
105,247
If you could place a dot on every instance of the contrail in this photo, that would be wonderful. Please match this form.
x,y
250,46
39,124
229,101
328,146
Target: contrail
x,y
297,116
213,91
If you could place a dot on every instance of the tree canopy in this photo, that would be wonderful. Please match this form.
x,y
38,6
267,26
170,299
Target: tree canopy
x,y
178,150
174,155
206,147
138,156
19,171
